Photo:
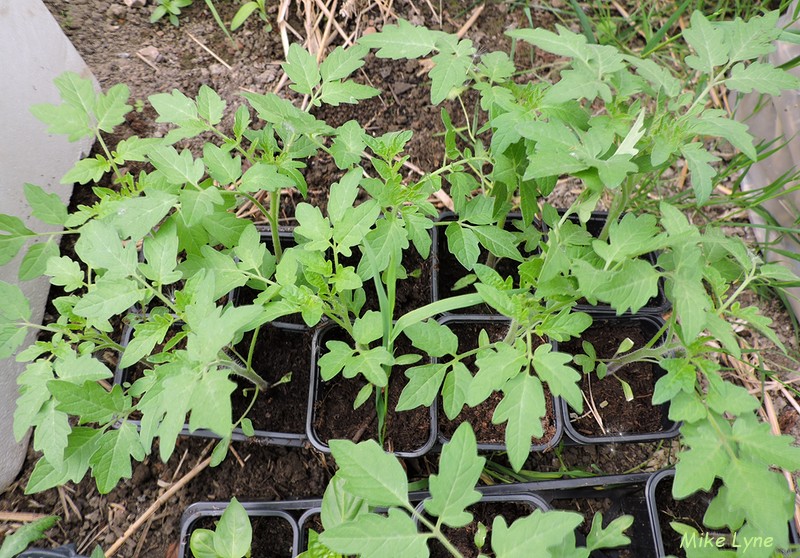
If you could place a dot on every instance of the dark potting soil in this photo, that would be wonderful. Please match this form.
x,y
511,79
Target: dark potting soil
x,y
272,535
480,416
689,511
335,418
588,507
484,513
617,415
277,352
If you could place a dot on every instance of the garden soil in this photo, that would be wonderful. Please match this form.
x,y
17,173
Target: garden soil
x,y
121,45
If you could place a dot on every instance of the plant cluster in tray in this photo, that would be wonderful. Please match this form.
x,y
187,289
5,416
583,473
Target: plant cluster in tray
x,y
614,122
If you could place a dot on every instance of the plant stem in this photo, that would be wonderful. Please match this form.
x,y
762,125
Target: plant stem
x,y
436,532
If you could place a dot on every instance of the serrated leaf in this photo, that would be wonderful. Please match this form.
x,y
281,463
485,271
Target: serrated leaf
x,y
100,247
87,170
211,403
711,48
210,105
82,443
495,368
402,41
761,77
370,473
463,244
343,194
454,390
432,338
680,376
48,208
34,264
758,443
108,298
376,536
450,70
161,254
610,537
80,369
221,166
338,506
762,494
51,434
500,242
134,218
89,401
175,108
265,176
335,93
522,408
178,168
146,336
302,69
423,386
545,531
368,327
112,460
225,227
342,62
737,133
348,144
698,467
453,489
111,107
355,225
561,379
196,205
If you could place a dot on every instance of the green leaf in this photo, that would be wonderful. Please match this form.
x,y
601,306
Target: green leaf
x,y
313,227
680,376
161,254
370,473
561,379
77,91
343,194
87,170
80,369
423,386
63,120
19,540
498,241
495,368
463,244
210,105
711,48
454,390
177,168
175,108
689,295
522,407
221,166
698,467
81,445
112,460
338,506
632,236
335,93
242,14
377,536
196,205
342,62
453,489
432,338
108,298
546,532
202,544
368,327
402,41
348,144
265,176
371,364
302,69
135,148
250,250
450,70
134,218
225,227
34,264
15,308
761,77
736,132
211,403
610,537
145,337
51,434
355,225
234,534
762,494
754,38
758,443
89,401
48,208
112,107
566,43
100,247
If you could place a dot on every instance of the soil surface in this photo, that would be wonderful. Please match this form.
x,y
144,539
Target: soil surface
x,y
689,511
614,414
121,45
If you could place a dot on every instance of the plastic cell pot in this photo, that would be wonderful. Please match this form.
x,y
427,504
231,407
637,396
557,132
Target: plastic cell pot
x,y
330,406
492,437
275,530
447,270
658,305
280,349
622,421
659,500
67,551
